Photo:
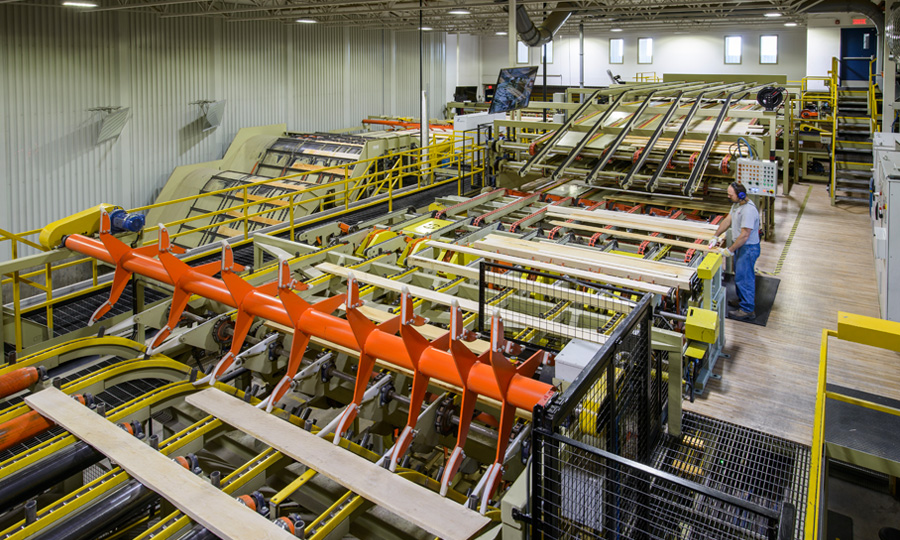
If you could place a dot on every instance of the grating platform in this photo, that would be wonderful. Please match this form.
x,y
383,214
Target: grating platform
x,y
748,464
74,314
861,429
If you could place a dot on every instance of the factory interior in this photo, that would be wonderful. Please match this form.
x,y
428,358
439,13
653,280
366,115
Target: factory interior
x,y
449,269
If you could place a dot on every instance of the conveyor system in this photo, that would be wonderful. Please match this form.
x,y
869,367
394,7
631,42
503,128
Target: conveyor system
x,y
422,341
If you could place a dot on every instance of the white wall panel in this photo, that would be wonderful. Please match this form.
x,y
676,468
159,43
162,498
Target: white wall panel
x,y
55,64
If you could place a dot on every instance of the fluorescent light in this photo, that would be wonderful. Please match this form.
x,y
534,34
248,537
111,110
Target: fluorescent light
x,y
790,24
501,33
773,14
459,11
615,29
80,4
307,21
426,28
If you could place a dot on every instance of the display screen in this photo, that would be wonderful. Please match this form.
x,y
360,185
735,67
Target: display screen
x,y
513,89
465,93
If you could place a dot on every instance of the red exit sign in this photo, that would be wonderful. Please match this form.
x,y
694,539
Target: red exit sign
x,y
860,21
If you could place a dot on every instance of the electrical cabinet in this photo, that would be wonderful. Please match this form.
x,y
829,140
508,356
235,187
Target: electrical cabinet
x,y
885,213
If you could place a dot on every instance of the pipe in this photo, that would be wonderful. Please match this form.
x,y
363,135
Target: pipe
x,y
102,516
18,380
46,473
21,428
534,36
581,55
523,392
199,532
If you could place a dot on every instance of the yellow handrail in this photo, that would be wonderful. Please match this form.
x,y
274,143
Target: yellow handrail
x,y
421,163
864,330
834,122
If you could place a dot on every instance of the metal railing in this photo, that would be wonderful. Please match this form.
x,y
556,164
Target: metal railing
x,y
450,158
866,331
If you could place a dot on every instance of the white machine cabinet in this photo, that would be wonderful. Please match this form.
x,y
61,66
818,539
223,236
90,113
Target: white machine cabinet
x,y
885,213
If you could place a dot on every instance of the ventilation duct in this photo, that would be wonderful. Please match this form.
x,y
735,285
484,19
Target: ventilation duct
x,y
534,36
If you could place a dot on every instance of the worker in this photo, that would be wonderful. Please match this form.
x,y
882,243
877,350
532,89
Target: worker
x,y
744,222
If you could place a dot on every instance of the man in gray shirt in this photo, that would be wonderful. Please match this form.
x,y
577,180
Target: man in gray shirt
x,y
744,223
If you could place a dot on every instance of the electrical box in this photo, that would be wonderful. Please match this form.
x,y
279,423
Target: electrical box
x,y
760,177
701,325
885,213
574,357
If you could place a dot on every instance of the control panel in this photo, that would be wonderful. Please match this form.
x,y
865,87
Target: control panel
x,y
760,177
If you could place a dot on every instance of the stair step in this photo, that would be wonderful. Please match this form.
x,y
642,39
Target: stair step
x,y
852,200
845,189
853,173
852,182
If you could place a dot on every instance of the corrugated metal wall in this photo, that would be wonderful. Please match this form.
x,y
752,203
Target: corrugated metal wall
x,y
55,64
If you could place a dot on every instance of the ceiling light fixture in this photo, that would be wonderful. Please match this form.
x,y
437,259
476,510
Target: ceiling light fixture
x,y
459,11
307,21
80,4
501,33
773,14
426,28
615,29
790,24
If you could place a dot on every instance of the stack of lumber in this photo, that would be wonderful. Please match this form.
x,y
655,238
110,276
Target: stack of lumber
x,y
657,272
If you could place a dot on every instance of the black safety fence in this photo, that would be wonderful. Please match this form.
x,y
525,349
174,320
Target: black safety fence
x,y
593,446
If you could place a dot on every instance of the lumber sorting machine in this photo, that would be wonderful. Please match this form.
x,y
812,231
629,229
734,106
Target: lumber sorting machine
x,y
687,140
498,364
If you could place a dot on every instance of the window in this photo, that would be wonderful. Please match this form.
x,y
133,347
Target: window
x,y
768,49
616,51
522,53
645,50
733,49
548,52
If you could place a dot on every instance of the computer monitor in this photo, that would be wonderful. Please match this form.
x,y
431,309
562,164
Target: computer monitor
x,y
465,93
513,89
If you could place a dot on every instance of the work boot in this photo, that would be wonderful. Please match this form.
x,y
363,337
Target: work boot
x,y
742,315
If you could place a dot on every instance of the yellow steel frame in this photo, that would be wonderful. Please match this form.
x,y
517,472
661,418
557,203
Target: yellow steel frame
x,y
856,329
447,152
873,99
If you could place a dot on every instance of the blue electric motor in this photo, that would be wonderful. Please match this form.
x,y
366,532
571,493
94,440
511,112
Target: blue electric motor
x,y
122,221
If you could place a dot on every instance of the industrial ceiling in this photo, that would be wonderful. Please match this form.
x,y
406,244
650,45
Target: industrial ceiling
x,y
473,16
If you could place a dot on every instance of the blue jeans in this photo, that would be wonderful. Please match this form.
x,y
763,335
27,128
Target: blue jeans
x,y
744,277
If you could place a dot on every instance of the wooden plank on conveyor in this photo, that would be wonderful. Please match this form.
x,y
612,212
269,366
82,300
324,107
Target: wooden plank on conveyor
x,y
219,512
424,508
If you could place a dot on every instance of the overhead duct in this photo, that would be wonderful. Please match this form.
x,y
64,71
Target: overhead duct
x,y
534,36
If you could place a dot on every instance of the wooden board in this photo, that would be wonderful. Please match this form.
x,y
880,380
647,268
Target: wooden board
x,y
646,265
564,270
702,231
522,320
634,236
214,509
555,291
422,507
606,263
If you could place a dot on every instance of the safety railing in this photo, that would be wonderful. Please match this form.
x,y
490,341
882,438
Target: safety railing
x,y
646,76
856,329
452,157
873,100
834,124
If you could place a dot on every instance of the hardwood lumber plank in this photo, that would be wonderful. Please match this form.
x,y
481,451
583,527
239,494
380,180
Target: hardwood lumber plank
x,y
522,320
256,219
317,168
211,507
703,231
634,236
646,265
422,507
564,270
573,259
615,304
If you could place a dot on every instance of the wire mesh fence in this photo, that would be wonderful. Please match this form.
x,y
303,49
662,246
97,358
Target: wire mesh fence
x,y
596,447
553,309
